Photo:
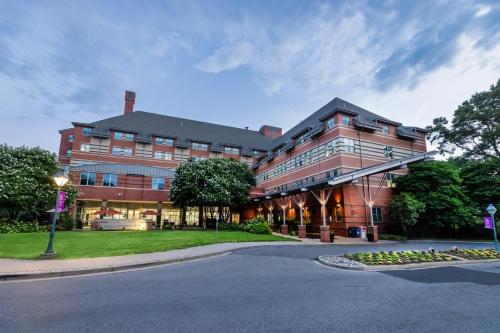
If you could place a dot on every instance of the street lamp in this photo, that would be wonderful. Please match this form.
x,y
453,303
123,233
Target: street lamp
x,y
60,178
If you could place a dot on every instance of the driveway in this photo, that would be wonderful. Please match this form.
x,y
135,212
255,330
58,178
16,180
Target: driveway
x,y
271,289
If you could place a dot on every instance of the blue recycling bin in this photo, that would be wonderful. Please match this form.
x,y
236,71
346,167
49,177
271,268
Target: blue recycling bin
x,y
357,232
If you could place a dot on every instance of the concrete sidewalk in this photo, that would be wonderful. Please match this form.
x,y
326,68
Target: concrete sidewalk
x,y
16,269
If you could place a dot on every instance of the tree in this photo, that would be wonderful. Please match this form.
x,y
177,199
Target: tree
x,y
481,181
475,127
405,210
437,184
26,188
222,183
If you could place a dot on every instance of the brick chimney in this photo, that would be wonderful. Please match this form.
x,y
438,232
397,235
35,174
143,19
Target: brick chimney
x,y
270,131
129,102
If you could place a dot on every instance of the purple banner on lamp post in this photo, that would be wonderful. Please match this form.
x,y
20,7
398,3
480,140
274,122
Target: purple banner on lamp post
x,y
60,201
488,222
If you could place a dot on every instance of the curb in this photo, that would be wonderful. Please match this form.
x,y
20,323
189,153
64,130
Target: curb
x,y
379,268
60,274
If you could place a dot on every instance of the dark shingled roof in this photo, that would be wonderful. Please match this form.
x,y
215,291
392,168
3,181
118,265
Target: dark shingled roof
x,y
183,130
337,104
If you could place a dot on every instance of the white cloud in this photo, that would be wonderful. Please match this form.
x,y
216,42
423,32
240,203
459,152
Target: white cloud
x,y
227,58
482,10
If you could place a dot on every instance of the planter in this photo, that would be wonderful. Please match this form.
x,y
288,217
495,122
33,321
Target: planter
x,y
325,234
373,231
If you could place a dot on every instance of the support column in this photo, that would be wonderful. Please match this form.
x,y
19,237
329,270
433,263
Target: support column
x,y
374,231
284,226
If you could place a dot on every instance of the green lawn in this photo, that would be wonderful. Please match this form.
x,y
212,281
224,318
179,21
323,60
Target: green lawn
x,y
88,244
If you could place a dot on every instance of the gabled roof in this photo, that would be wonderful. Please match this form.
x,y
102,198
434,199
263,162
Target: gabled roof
x,y
335,105
147,124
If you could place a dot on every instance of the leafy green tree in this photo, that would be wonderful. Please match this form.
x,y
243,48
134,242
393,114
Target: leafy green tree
x,y
437,184
475,127
222,183
26,188
481,181
405,210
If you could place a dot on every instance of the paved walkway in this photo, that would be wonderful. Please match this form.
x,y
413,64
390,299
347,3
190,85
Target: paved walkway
x,y
12,269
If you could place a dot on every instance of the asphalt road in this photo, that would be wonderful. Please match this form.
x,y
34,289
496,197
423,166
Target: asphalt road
x,y
271,289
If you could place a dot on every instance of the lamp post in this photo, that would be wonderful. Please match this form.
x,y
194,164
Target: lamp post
x,y
492,210
60,178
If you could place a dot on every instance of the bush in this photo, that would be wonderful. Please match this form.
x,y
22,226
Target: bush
x,y
392,237
66,223
13,227
257,225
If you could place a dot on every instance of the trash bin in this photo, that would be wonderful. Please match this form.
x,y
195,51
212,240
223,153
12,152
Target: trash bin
x,y
362,231
349,232
356,232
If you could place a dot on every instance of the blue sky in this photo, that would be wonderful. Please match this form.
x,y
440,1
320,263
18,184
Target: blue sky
x,y
240,63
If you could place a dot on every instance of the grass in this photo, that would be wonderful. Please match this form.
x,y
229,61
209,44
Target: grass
x,y
399,258
89,244
392,237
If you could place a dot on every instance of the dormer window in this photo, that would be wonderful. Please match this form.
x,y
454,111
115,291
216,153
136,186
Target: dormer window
x,y
87,131
300,139
123,136
199,146
330,123
384,130
232,150
346,120
164,141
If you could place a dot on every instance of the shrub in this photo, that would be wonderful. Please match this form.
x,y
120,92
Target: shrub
x,y
257,225
66,223
13,227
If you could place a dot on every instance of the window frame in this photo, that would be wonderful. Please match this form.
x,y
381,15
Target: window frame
x,y
155,185
377,217
87,131
123,136
122,151
231,150
71,138
389,152
344,118
88,178
163,155
85,145
109,182
330,123
168,142
199,146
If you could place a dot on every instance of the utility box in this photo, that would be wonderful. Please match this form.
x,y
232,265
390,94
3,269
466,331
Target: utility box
x,y
362,231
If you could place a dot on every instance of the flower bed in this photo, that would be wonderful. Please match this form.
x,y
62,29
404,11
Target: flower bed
x,y
399,258
474,254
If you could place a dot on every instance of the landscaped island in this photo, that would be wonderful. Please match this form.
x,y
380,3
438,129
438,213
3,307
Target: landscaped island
x,y
114,243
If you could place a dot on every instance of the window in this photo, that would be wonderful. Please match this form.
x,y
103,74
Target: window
x,y
161,155
87,178
122,151
349,145
164,141
69,152
71,138
124,136
257,152
377,214
332,173
346,120
110,180
84,147
330,123
385,130
391,180
87,131
157,183
199,146
232,150
301,139
198,158
388,151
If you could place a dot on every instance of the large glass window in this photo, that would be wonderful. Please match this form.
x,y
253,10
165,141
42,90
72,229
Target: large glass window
x,y
87,131
232,150
199,146
125,151
158,183
377,214
110,180
85,147
198,158
346,120
164,141
87,178
330,123
161,155
349,145
123,136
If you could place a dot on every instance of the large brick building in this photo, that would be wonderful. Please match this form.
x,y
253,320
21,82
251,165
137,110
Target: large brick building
x,y
125,163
